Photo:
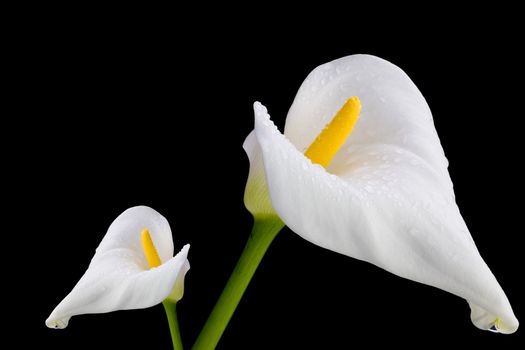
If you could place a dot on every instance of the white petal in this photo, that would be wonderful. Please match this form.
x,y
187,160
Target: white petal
x,y
118,277
401,217
256,198
125,232
178,289
394,111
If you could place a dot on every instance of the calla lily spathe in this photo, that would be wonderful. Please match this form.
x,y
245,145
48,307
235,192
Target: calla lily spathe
x,y
386,197
119,276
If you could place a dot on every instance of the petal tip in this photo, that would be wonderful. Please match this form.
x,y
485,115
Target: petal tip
x,y
503,327
184,255
185,249
486,320
57,323
262,119
259,108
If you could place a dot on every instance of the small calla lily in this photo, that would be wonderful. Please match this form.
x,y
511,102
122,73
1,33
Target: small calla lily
x,y
386,196
133,268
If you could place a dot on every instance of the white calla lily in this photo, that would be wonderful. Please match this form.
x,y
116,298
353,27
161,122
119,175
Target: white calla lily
x,y
119,275
386,197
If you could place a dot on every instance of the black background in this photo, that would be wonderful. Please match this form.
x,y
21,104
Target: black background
x,y
116,109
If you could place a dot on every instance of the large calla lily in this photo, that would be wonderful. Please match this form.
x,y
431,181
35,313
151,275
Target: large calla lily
x,y
119,275
386,197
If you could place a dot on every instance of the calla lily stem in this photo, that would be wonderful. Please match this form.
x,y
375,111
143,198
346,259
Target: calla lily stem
x,y
171,312
264,231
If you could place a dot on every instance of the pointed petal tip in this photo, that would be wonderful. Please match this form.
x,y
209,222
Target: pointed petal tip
x,y
55,323
185,249
184,254
260,110
263,121
492,321
177,290
504,327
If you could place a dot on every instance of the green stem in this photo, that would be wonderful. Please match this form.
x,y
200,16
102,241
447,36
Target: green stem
x,y
264,231
170,308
